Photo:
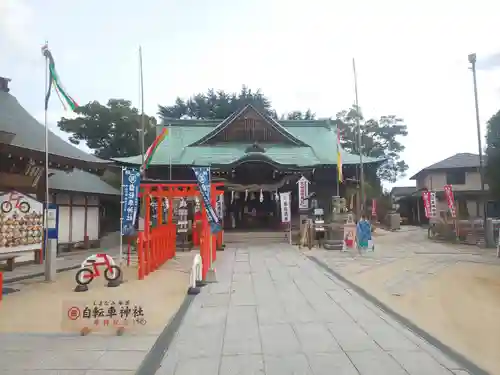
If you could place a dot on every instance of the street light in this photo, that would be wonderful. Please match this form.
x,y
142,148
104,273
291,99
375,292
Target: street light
x,y
472,61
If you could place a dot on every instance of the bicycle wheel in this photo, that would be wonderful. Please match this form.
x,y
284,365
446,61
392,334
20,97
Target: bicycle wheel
x,y
84,276
6,207
112,273
24,207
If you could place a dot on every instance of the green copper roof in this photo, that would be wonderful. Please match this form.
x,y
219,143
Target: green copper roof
x,y
318,137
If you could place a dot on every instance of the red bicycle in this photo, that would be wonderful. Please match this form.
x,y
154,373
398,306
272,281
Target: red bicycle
x,y
86,274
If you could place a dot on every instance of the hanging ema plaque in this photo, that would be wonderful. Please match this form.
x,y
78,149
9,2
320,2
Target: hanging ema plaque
x,y
21,223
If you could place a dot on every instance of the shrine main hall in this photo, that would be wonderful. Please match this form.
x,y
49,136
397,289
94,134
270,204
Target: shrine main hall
x,y
256,157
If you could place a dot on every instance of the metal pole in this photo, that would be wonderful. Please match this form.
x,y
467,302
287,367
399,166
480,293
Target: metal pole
x,y
142,105
337,149
121,218
361,204
170,150
49,256
472,60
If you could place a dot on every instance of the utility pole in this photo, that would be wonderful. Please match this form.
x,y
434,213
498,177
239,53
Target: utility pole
x,y
472,61
361,204
142,105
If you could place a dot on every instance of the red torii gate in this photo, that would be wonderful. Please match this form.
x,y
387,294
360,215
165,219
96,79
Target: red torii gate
x,y
157,244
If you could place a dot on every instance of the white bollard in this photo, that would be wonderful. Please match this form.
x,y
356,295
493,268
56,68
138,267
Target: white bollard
x,y
195,276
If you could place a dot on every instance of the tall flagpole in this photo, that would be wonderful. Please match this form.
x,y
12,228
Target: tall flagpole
x,y
170,149
49,259
338,166
361,204
142,105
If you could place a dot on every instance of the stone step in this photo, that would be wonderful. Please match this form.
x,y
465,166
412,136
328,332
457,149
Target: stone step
x,y
255,237
333,245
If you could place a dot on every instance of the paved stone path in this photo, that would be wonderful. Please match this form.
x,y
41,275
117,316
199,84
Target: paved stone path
x,y
72,355
275,312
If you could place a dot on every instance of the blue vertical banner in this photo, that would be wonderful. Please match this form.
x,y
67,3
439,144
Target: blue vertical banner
x,y
203,176
131,181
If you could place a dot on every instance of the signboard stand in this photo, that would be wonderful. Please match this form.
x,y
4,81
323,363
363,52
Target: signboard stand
x,y
286,213
349,233
129,204
203,177
303,186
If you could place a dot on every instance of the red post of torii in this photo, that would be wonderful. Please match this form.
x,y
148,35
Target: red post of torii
x,y
158,244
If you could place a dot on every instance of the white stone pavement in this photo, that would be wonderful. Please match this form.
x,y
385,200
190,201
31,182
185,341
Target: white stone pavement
x,y
275,312
59,354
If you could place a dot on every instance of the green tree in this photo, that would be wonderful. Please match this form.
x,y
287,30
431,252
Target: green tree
x,y
299,115
379,138
493,155
218,104
111,130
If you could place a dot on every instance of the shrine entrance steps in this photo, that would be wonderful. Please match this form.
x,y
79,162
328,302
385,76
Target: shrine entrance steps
x,y
255,237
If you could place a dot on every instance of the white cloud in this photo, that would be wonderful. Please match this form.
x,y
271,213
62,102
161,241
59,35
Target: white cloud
x,y
411,58
16,20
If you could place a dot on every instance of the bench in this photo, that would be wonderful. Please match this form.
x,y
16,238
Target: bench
x,y
10,254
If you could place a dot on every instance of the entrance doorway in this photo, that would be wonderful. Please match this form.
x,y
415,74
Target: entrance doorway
x,y
255,210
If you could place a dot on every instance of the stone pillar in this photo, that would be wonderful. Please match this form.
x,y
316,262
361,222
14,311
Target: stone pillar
x,y
489,236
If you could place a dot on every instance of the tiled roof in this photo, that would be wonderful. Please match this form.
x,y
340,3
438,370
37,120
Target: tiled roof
x,y
80,181
403,191
460,160
318,148
30,134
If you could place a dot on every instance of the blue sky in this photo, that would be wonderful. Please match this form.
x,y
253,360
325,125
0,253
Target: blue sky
x,y
411,57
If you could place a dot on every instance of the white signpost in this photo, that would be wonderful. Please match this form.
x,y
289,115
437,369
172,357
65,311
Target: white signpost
x,y
303,186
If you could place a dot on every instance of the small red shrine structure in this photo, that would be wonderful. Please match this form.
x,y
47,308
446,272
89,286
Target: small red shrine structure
x,y
157,243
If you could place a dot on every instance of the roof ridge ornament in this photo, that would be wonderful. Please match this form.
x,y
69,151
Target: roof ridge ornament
x,y
255,147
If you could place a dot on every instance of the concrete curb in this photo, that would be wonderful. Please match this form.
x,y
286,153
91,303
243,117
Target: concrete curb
x,y
38,274
152,362
457,357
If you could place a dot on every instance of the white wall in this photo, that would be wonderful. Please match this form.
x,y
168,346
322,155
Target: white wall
x,y
63,227
93,223
436,181
77,224
78,218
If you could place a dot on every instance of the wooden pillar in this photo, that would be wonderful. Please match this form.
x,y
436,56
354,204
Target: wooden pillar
x,y
70,224
147,230
160,249
204,243
213,239
99,218
85,224
172,230
418,212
